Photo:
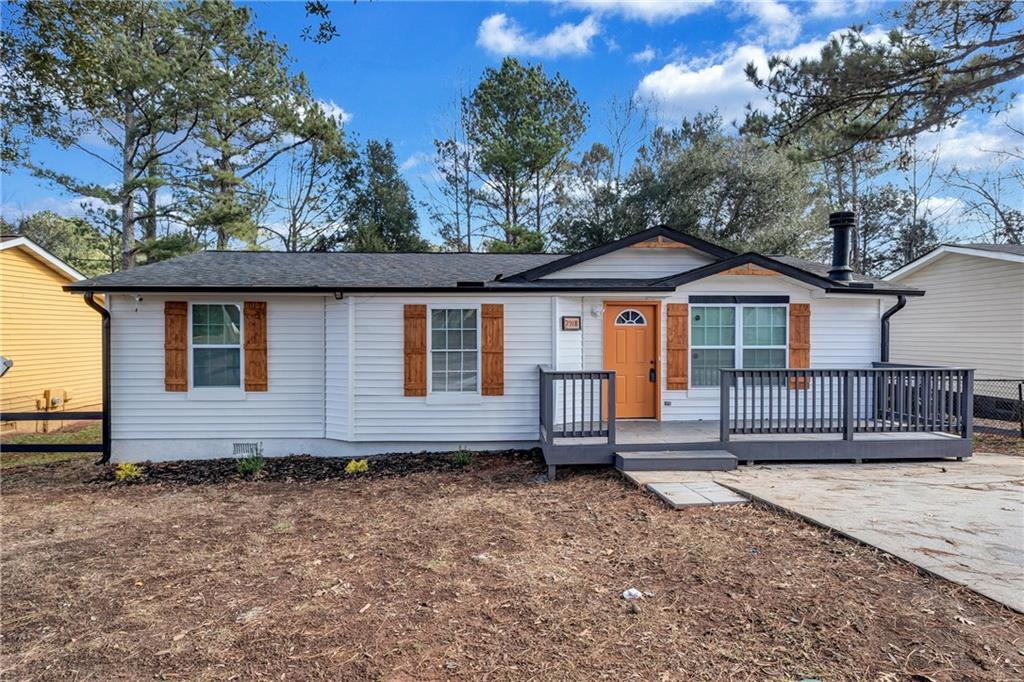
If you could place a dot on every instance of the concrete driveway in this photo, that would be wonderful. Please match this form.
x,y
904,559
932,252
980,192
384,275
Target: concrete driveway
x,y
963,521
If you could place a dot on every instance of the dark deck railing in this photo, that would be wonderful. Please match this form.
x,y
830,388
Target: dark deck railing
x,y
577,404
882,399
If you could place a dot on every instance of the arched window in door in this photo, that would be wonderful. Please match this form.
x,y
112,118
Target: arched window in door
x,y
631,318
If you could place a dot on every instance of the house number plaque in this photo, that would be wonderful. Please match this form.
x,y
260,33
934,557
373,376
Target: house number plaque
x,y
571,323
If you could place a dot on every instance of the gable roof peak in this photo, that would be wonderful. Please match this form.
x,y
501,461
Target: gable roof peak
x,y
668,232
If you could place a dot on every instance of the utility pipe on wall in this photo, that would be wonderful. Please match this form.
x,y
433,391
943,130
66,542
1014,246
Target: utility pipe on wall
x,y
105,354
901,302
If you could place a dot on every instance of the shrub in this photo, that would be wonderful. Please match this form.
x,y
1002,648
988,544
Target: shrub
x,y
357,466
462,458
126,472
251,464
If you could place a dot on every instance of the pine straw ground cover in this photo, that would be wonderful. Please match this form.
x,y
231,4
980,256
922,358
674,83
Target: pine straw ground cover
x,y
476,574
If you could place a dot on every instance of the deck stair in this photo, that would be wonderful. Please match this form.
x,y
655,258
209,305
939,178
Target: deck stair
x,y
676,460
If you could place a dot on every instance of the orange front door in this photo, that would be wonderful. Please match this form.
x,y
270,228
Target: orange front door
x,y
631,349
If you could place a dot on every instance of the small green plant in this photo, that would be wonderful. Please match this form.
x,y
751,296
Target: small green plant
x,y
126,472
357,466
253,463
462,458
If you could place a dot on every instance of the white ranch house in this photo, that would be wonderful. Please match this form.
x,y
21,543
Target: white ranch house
x,y
657,342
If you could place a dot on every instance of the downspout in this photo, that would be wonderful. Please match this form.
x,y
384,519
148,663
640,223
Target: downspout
x,y
901,302
105,314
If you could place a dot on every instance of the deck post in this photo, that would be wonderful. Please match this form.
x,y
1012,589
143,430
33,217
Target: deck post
x,y
611,409
967,407
848,405
723,406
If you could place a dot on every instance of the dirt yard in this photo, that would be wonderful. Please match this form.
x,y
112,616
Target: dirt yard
x,y
1001,444
476,574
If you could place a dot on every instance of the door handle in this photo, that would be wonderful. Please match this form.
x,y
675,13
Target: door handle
x,y
651,375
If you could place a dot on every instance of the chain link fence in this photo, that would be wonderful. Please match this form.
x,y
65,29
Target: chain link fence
x,y
999,406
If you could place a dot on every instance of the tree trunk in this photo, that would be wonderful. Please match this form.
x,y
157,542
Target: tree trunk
x,y
149,227
128,189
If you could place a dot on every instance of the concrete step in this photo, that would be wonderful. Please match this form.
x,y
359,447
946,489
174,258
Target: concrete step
x,y
676,460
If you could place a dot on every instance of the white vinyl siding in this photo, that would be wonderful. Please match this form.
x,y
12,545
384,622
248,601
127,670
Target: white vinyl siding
x,y
629,263
383,413
972,315
292,407
336,322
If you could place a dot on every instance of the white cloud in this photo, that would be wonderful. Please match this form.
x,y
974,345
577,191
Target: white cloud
x,y
971,145
649,11
501,35
414,160
773,20
643,56
688,86
942,209
334,110
834,9
62,206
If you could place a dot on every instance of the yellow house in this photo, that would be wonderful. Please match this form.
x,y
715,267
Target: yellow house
x,y
50,340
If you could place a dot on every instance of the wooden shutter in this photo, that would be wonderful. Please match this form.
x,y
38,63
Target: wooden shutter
x,y
254,317
678,345
492,347
799,341
415,350
175,346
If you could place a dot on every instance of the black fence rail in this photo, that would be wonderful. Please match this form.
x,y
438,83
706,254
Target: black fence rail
x,y
577,404
51,447
999,405
885,399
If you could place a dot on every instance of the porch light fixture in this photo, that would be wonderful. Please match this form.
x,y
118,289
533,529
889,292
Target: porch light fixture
x,y
596,310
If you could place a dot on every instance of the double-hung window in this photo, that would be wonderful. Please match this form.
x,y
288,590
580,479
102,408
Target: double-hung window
x,y
725,337
454,350
216,345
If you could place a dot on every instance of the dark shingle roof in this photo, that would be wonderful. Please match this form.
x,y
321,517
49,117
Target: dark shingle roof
x,y
269,270
821,269
1016,249
276,271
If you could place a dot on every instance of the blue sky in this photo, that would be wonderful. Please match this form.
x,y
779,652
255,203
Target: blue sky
x,y
396,67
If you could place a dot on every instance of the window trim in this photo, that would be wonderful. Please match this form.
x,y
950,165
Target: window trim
x,y
453,396
738,346
217,392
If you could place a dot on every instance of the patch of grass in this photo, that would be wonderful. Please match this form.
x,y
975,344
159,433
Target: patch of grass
x,y
1003,444
91,433
462,457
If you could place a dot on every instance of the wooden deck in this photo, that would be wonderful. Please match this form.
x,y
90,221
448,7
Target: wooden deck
x,y
879,413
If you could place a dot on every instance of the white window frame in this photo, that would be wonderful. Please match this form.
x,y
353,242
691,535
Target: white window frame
x,y
738,347
452,396
217,392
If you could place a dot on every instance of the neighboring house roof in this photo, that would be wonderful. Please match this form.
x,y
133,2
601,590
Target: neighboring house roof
x,y
268,271
1005,252
11,241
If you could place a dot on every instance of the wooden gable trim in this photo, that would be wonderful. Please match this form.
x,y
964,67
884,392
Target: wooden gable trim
x,y
492,349
254,319
415,349
660,243
175,346
677,345
749,269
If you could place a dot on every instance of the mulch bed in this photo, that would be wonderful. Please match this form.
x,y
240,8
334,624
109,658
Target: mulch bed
x,y
304,468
